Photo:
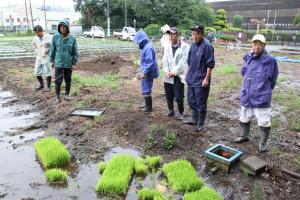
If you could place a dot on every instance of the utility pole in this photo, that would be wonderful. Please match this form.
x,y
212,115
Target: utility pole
x,y
31,14
45,17
125,13
108,19
26,14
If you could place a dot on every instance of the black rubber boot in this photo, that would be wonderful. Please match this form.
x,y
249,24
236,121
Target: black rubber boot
x,y
40,79
193,119
264,135
170,112
200,121
57,93
148,104
180,106
67,91
48,88
244,133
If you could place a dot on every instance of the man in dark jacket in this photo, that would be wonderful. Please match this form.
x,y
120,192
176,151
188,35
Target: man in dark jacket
x,y
260,73
200,63
64,55
148,68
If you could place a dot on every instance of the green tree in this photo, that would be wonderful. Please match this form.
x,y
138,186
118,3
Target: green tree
x,y
220,23
237,21
297,19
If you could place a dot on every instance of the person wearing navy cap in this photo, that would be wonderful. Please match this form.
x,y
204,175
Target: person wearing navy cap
x,y
198,77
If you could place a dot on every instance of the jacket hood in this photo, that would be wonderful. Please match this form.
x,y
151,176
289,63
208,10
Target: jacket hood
x,y
141,38
64,22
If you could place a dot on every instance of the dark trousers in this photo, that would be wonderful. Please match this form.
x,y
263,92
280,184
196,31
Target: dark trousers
x,y
197,98
63,74
175,90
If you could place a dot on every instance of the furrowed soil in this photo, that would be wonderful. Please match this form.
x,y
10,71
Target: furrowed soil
x,y
124,124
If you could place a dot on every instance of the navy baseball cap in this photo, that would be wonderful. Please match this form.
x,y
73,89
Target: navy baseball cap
x,y
198,28
173,30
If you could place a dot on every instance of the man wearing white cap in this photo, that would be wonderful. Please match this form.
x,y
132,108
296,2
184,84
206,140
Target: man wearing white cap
x,y
260,73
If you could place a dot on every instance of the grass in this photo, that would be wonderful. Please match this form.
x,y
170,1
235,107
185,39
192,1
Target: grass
x,y
149,194
101,166
257,193
153,161
182,176
150,141
154,128
56,175
116,176
281,78
205,193
232,83
52,153
225,69
26,73
170,139
140,167
98,119
297,160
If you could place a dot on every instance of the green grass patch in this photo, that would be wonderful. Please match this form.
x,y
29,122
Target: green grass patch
x,y
101,166
154,128
297,160
281,78
232,82
182,176
205,193
225,69
56,175
140,167
149,194
257,193
170,139
116,176
153,161
52,153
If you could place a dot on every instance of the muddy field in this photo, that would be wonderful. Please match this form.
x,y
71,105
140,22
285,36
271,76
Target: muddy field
x,y
124,125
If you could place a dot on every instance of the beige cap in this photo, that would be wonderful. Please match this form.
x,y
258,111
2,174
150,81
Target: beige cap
x,y
259,37
165,28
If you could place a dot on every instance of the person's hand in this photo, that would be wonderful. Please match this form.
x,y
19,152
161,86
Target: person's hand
x,y
52,65
74,67
205,82
143,76
170,74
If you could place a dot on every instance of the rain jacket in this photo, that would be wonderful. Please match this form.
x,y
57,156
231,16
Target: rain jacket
x,y
200,57
148,64
177,63
64,50
260,75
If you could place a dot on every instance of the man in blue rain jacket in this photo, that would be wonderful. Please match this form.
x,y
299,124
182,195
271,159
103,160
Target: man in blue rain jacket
x,y
148,68
260,73
200,64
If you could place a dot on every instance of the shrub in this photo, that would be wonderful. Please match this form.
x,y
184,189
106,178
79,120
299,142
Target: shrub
x,y
116,176
52,153
56,175
205,193
170,139
237,21
140,166
153,161
101,166
149,194
152,30
235,30
182,176
266,31
228,37
208,29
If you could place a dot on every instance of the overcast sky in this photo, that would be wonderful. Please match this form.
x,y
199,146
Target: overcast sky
x,y
64,3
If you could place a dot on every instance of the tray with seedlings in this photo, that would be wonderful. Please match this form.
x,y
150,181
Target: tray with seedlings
x,y
205,193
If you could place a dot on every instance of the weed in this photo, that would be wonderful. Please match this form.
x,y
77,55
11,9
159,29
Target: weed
x,y
257,193
231,83
297,160
205,193
101,166
98,119
52,153
170,139
154,128
56,175
153,161
149,194
226,69
182,176
150,141
281,78
295,123
140,166
116,176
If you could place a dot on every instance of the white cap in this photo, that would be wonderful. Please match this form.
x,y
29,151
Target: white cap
x,y
259,37
165,28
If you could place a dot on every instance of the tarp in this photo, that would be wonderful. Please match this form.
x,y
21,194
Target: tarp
x,y
286,59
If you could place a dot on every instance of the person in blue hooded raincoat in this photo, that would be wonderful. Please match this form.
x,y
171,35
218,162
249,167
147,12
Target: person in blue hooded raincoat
x,y
148,68
200,61
260,73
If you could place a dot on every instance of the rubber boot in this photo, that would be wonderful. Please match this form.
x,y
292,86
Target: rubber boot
x,y
200,121
40,79
180,106
170,112
193,119
57,93
264,135
142,105
244,133
48,88
67,91
148,104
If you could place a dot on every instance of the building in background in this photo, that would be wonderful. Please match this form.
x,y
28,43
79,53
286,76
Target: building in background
x,y
278,14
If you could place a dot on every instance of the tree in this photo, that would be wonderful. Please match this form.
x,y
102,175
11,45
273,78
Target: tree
x,y
237,21
220,23
297,19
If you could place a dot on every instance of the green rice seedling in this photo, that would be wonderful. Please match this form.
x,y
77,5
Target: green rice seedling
x,y
205,193
153,161
101,166
149,194
170,139
116,176
56,175
52,153
140,166
182,176
150,141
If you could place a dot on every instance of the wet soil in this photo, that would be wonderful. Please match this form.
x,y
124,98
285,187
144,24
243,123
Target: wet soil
x,y
124,125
